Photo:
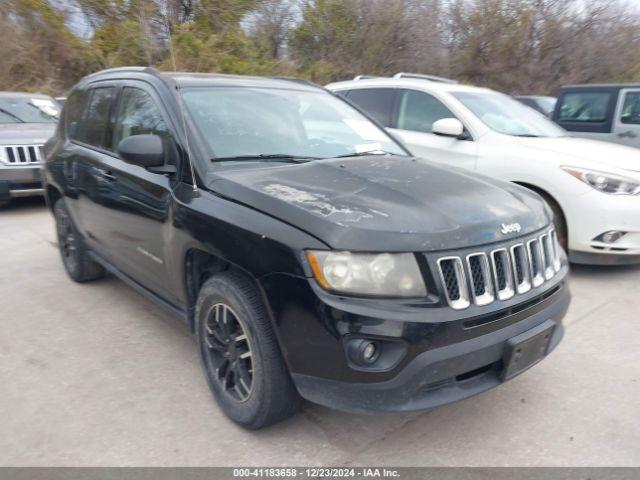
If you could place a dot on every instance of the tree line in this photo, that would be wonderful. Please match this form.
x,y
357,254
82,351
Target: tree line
x,y
517,46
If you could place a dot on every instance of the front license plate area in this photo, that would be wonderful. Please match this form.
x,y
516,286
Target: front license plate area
x,y
527,349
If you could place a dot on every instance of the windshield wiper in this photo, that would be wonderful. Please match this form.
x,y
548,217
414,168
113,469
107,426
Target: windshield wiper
x,y
267,157
370,152
7,112
527,135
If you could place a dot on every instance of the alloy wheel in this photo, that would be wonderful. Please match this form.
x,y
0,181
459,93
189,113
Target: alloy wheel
x,y
229,352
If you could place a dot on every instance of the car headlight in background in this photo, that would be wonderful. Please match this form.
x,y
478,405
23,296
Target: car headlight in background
x,y
379,274
606,182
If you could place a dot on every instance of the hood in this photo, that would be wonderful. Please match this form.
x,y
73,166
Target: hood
x,y
606,153
26,133
394,204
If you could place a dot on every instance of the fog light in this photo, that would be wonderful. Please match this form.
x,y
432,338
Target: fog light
x,y
369,352
610,237
364,352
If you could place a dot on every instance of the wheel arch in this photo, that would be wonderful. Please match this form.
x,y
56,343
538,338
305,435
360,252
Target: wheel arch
x,y
198,266
52,195
548,197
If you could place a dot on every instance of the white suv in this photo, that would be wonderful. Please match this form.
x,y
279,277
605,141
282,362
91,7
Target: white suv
x,y
593,187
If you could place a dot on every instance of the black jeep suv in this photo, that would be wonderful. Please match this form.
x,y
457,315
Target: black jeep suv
x,y
310,253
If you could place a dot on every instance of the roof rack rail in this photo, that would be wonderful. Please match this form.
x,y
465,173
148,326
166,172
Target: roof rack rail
x,y
431,78
149,70
297,80
364,77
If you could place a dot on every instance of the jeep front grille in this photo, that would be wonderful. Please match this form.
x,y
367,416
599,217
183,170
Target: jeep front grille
x,y
501,273
21,154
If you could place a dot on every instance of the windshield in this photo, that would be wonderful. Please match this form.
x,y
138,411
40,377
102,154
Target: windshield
x,y
505,115
261,122
28,110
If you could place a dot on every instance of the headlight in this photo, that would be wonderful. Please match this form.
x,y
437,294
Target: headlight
x,y
606,182
380,274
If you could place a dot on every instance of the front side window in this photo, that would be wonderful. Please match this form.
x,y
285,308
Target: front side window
x,y
95,127
377,102
586,107
503,114
631,109
138,114
245,121
419,111
28,110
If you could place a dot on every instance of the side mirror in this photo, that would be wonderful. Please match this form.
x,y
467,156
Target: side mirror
x,y
448,127
143,150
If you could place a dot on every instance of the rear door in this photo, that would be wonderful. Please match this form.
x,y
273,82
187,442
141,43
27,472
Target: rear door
x,y
416,112
627,120
91,146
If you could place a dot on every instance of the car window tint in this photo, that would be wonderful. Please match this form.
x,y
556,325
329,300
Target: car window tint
x,y
377,102
631,109
419,111
95,128
138,114
585,107
73,110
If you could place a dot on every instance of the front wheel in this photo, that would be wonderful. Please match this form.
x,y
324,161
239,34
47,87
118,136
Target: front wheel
x,y
240,354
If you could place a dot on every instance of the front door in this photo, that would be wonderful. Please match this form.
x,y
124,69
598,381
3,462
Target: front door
x,y
416,113
627,121
139,203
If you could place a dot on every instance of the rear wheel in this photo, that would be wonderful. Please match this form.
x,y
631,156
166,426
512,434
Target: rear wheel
x,y
75,256
240,354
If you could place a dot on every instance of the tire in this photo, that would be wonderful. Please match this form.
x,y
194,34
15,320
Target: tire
x,y
243,365
75,256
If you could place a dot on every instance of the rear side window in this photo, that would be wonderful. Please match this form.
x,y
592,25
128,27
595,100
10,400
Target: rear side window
x,y
419,111
377,102
138,114
587,107
95,127
73,110
631,109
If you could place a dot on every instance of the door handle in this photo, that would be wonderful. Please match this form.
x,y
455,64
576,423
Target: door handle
x,y
627,134
107,175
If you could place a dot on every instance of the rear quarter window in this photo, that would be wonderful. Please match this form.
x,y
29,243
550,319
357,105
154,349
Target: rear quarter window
x,y
377,102
73,110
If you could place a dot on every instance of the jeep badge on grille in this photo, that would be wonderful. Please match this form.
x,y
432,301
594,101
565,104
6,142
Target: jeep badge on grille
x,y
510,228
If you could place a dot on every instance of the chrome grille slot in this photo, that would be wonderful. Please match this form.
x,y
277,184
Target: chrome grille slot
x,y
547,255
521,268
502,276
555,245
481,283
536,262
454,281
21,155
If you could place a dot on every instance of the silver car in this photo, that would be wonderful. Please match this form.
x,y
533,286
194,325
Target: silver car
x,y
609,112
27,121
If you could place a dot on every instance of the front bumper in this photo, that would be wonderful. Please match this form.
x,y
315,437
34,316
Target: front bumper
x,y
448,355
596,214
20,182
436,377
